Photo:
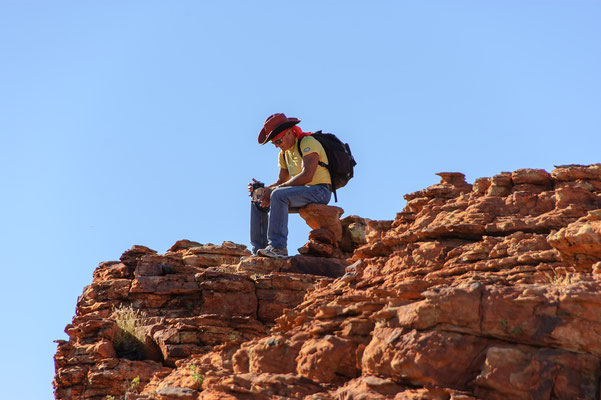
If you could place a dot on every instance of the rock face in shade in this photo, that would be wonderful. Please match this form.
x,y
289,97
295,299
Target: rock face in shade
x,y
483,291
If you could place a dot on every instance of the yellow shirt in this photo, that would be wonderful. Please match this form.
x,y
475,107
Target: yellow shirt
x,y
293,162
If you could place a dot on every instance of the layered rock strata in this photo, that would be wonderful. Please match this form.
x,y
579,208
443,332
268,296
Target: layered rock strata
x,y
483,291
181,303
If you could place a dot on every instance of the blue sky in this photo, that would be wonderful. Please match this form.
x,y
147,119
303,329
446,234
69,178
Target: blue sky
x,y
136,122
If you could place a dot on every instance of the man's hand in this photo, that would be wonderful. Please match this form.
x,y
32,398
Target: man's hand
x,y
266,198
250,186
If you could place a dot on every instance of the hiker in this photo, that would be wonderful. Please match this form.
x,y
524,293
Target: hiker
x,y
301,181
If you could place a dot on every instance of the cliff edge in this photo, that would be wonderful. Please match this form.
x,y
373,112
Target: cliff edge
x,y
483,291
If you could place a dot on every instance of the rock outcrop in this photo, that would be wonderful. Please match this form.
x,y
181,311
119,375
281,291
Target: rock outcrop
x,y
483,291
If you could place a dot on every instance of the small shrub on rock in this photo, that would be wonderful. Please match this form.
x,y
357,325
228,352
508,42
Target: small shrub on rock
x,y
129,340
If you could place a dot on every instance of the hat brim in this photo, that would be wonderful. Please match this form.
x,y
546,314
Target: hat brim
x,y
265,137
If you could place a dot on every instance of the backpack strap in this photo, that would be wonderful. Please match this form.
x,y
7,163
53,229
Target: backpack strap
x,y
326,166
298,142
301,154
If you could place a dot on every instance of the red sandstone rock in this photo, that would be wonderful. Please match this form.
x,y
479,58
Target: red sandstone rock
x,y
210,255
317,249
500,185
183,244
519,372
575,172
353,233
488,291
532,177
319,216
301,264
322,360
232,308
452,184
131,256
580,242
322,236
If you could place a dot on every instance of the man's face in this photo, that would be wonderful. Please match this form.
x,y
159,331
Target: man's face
x,y
285,141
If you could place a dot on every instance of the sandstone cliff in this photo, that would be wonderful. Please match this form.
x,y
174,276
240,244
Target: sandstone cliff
x,y
483,291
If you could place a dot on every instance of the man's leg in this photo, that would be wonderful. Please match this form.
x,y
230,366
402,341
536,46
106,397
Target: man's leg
x,y
258,228
291,197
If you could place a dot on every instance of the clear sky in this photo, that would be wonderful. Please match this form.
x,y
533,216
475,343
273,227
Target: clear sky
x,y
136,121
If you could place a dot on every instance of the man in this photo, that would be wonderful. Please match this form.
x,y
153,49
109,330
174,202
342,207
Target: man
x,y
301,181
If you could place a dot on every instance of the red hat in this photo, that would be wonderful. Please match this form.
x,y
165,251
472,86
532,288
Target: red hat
x,y
275,124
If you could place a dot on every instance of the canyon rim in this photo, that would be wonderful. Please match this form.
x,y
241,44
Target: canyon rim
x,y
488,290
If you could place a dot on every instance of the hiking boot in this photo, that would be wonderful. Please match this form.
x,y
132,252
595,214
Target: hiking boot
x,y
273,252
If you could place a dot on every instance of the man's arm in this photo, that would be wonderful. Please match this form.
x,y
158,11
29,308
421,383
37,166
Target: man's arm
x,y
310,162
283,176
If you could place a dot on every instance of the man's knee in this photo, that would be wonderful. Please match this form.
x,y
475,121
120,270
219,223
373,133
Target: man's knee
x,y
278,194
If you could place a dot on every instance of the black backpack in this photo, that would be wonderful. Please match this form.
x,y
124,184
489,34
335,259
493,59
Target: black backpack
x,y
340,159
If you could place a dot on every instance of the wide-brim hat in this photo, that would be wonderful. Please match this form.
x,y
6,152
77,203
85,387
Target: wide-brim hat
x,y
274,125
